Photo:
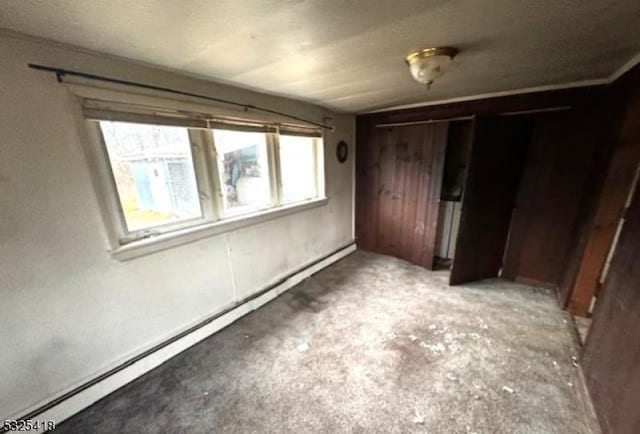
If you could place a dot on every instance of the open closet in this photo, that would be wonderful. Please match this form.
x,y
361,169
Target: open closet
x,y
487,195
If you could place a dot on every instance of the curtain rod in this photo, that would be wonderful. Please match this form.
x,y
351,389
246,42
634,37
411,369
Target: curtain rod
x,y
61,73
535,111
427,121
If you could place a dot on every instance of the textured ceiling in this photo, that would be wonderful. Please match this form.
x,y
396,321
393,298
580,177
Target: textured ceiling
x,y
349,55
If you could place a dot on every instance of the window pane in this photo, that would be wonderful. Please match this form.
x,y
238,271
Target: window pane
x,y
298,168
154,174
244,169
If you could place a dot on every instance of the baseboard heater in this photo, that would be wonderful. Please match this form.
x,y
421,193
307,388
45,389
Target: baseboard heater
x,y
225,317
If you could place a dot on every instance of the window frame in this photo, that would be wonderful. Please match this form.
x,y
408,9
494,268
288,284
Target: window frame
x,y
127,244
200,170
318,152
225,213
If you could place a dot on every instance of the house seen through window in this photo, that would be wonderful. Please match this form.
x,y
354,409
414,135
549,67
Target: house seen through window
x,y
153,172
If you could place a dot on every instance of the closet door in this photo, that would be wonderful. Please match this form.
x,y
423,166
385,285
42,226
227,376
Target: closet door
x,y
495,165
552,190
400,176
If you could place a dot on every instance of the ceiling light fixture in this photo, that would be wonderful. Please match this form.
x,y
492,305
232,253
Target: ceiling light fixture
x,y
428,64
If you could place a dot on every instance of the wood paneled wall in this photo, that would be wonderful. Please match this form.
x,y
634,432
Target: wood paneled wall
x,y
612,197
522,105
611,359
612,355
398,180
573,97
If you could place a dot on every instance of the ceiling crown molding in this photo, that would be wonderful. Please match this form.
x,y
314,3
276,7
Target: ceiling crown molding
x,y
633,62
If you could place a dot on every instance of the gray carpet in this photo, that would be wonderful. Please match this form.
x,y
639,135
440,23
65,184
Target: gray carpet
x,y
370,344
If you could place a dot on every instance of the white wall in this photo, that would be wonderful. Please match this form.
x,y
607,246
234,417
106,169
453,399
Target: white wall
x,y
68,310
449,214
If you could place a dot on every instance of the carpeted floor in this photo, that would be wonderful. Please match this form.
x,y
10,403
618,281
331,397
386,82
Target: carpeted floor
x,y
370,344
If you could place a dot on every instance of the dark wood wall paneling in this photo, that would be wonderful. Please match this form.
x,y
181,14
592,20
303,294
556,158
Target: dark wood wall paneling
x,y
495,166
399,175
366,181
603,122
611,359
369,209
575,97
611,199
612,355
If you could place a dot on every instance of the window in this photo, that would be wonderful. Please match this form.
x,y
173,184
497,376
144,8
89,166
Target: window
x,y
298,168
153,172
164,178
243,168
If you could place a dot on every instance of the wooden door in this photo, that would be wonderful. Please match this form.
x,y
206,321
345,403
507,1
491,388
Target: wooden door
x,y
399,176
553,186
495,166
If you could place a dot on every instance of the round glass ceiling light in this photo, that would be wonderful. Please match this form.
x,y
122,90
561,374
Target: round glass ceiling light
x,y
429,64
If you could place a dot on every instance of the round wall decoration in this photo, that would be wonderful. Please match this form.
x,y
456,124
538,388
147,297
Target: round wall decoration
x,y
342,151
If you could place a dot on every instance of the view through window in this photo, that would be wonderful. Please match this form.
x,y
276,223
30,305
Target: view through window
x,y
298,168
153,171
243,169
164,181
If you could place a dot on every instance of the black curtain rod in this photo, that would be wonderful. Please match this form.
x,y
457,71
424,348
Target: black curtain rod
x,y
61,73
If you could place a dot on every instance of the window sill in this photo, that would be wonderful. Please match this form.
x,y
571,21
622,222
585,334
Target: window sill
x,y
179,237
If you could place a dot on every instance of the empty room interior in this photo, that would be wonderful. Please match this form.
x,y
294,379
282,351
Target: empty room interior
x,y
320,216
